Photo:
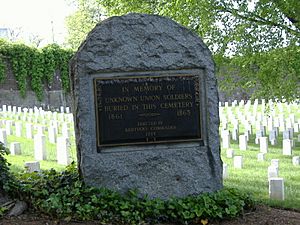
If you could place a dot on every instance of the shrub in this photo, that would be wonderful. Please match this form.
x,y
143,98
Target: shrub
x,y
6,177
64,195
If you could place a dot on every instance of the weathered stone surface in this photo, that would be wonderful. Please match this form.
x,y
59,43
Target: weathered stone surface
x,y
18,209
138,45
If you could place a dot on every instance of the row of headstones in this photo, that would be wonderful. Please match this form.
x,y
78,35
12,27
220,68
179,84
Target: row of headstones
x,y
250,120
38,119
63,155
238,160
40,152
263,103
288,141
42,117
36,116
276,184
265,125
15,109
54,129
245,114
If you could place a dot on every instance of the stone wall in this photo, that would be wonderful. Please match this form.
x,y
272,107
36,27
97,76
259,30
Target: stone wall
x,y
54,96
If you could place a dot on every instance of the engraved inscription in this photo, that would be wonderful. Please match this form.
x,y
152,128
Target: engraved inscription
x,y
147,109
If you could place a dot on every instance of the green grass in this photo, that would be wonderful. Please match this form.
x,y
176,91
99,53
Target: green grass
x,y
27,149
253,178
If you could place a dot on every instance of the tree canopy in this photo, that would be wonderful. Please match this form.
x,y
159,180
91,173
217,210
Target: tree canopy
x,y
82,21
255,42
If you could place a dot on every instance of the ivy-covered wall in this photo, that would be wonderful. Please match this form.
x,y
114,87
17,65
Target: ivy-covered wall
x,y
40,77
34,69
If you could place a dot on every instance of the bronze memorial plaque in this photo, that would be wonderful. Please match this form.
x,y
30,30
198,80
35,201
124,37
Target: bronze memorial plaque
x,y
144,110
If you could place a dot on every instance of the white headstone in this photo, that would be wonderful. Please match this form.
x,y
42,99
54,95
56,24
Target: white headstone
x,y
4,108
67,109
243,142
234,134
276,188
24,118
33,166
61,116
258,135
70,118
248,127
261,156
62,151
225,171
263,144
286,135
15,148
65,131
275,162
296,160
52,134
40,147
29,128
270,124
54,123
40,129
287,147
54,114
18,127
272,137
238,162
229,153
272,171
8,126
225,139
3,137
282,125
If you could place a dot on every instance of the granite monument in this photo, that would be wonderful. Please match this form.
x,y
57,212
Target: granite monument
x,y
145,104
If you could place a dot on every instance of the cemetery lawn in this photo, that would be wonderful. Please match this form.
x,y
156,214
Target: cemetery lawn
x,y
252,178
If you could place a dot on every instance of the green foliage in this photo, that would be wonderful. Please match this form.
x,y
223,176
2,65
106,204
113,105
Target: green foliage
x,y
235,25
2,70
2,211
243,30
64,195
5,175
273,75
82,21
3,165
36,66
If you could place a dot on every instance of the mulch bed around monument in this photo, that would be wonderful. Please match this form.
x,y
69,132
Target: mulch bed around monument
x,y
263,215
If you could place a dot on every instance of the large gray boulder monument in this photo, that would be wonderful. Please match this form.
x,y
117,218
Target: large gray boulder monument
x,y
145,106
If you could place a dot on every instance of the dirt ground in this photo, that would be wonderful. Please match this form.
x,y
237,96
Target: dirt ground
x,y
263,215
